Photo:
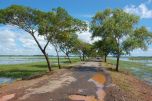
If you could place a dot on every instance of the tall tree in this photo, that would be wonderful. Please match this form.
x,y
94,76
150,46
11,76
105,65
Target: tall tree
x,y
67,46
26,19
59,27
104,47
82,49
117,25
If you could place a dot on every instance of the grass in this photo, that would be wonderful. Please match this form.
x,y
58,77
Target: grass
x,y
29,69
140,70
125,83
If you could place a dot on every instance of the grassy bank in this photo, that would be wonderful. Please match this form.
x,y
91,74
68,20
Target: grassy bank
x,y
28,69
140,70
126,87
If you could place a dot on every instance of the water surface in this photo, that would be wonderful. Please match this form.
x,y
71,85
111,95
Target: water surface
x,y
6,80
143,72
20,59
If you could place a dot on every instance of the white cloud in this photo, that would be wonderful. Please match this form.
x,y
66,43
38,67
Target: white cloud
x,y
141,10
85,36
7,38
14,42
17,42
139,52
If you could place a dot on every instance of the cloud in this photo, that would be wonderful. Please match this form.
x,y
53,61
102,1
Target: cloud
x,y
85,36
14,41
141,10
139,52
17,42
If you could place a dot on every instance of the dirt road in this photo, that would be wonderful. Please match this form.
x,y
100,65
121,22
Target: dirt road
x,y
85,82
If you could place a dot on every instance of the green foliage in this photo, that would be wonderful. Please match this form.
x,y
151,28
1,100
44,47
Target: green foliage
x,y
115,24
67,46
23,17
104,46
119,26
83,49
56,26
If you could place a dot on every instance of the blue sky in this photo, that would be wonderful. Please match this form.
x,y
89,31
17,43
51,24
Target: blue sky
x,y
15,41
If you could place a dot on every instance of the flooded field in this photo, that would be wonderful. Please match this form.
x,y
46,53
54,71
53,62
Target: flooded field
x,y
22,66
20,59
141,68
6,80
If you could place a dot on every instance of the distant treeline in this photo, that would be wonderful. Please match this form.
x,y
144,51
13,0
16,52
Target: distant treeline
x,y
32,56
141,58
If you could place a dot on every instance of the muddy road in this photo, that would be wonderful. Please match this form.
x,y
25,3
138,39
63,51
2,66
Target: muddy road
x,y
84,82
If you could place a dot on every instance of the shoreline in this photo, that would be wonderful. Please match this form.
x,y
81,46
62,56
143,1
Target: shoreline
x,y
127,87
140,70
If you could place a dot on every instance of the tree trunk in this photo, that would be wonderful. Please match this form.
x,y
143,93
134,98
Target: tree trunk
x,y
47,60
58,58
83,57
118,55
68,58
105,58
43,51
117,65
80,58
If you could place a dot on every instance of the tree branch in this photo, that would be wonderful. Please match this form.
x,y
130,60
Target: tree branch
x,y
46,45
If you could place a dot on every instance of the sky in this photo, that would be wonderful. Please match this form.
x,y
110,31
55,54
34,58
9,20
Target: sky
x,y
14,41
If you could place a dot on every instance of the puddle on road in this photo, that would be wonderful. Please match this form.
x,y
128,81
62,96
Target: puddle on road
x,y
99,80
81,97
7,97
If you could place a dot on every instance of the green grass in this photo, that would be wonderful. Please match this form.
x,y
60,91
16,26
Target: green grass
x,y
28,69
139,69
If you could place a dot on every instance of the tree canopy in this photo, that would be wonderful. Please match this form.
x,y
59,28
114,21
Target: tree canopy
x,y
55,26
121,28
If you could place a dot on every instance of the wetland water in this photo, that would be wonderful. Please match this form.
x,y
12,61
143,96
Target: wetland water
x,y
8,60
143,71
20,59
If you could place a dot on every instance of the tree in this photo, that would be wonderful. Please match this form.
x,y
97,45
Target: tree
x,y
119,26
26,19
104,47
67,46
82,49
139,39
59,27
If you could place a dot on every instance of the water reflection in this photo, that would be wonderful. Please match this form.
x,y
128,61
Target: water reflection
x,y
6,80
142,72
19,59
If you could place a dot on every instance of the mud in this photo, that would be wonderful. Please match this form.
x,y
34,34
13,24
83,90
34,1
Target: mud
x,y
7,97
84,81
